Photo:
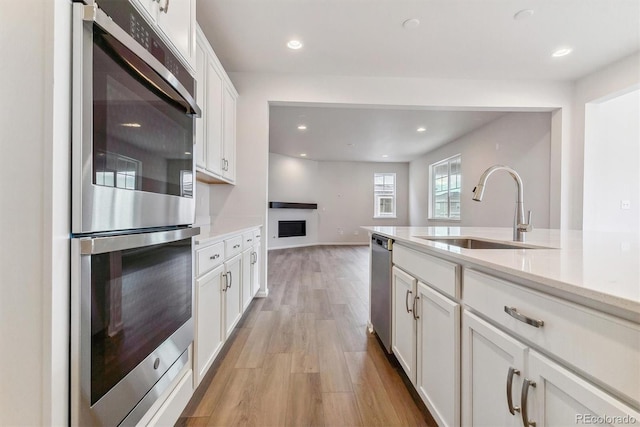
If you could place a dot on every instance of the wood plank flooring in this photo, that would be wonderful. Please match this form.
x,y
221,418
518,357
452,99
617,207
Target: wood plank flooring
x,y
303,357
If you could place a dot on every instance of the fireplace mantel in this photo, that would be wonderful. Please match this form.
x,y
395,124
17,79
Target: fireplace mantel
x,y
292,205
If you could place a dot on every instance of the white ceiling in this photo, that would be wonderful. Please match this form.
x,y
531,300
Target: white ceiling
x,y
455,39
372,131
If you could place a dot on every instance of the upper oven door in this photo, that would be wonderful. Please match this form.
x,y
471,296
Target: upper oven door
x,y
133,124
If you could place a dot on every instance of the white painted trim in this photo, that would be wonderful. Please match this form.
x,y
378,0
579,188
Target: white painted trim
x,y
262,294
321,244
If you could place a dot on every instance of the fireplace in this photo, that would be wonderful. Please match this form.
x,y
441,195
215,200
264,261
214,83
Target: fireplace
x,y
292,228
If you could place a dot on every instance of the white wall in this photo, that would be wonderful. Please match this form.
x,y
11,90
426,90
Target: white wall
x,y
249,196
519,140
343,192
34,215
612,164
612,80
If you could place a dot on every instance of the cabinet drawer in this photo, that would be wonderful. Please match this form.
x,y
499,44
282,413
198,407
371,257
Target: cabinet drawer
x,y
247,240
605,348
256,236
436,272
209,258
233,246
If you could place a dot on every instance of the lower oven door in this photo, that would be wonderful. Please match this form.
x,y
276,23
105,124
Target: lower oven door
x,y
132,298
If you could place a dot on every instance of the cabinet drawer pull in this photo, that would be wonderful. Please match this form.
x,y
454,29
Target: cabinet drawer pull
x,y
406,300
258,236
415,308
523,402
216,256
249,240
512,409
236,246
513,312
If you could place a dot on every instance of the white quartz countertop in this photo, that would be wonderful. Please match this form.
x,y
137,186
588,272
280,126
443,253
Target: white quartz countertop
x,y
598,267
211,233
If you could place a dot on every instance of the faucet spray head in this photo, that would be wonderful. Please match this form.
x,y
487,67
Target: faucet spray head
x,y
478,192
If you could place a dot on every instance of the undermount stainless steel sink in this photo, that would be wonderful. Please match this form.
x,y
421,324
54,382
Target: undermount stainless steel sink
x,y
468,243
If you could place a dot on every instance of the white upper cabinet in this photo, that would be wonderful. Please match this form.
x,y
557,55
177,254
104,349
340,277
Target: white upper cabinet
x,y
216,129
176,19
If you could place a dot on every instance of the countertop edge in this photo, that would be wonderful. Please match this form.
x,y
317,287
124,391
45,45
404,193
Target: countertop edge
x,y
600,301
208,237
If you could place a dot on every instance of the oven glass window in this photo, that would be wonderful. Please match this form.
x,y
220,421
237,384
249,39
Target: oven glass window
x,y
140,140
139,297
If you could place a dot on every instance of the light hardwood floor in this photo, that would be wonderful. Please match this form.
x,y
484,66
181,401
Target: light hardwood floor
x,y
303,357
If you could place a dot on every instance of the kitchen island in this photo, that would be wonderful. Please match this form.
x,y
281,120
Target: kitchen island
x,y
556,326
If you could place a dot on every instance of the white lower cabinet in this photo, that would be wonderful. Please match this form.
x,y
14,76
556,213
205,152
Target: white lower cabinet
x,y
558,397
224,289
247,266
232,294
403,333
438,355
255,269
491,360
426,343
506,382
208,336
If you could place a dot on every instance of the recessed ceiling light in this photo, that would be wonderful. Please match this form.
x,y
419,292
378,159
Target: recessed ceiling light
x,y
421,129
302,127
562,52
523,14
385,156
411,23
187,152
351,145
295,44
303,154
131,125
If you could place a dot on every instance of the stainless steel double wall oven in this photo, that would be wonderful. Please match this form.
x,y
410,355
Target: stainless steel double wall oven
x,y
132,213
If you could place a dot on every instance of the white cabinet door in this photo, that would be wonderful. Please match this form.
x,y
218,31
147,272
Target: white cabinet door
x,y
177,19
560,398
201,87
255,271
229,134
487,356
403,333
247,264
208,333
438,355
232,301
214,119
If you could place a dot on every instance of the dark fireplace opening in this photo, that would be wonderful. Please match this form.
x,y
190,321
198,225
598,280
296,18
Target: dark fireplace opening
x,y
292,228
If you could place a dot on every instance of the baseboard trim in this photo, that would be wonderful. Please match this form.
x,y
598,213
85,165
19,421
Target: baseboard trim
x,y
306,245
262,294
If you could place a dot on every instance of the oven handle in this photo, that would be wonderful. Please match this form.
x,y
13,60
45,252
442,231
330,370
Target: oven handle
x,y
93,14
100,245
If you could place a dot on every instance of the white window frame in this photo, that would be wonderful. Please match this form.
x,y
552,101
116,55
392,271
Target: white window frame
x,y
378,195
432,189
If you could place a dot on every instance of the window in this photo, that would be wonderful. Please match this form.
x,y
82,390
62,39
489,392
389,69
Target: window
x,y
114,170
446,182
384,195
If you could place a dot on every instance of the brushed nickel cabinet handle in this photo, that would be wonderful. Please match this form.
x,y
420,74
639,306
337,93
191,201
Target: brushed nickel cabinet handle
x,y
216,256
164,9
523,402
236,246
512,409
226,283
415,308
513,312
230,279
406,300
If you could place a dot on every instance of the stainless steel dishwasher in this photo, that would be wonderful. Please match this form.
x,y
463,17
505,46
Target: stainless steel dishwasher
x,y
381,288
